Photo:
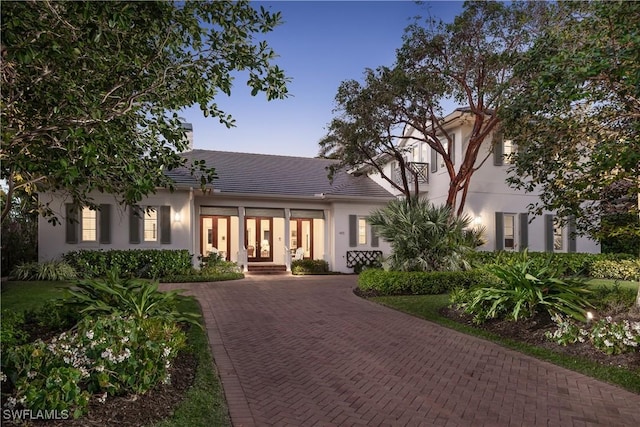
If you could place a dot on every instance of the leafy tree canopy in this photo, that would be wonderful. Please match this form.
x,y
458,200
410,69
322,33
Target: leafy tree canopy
x,y
576,117
469,60
91,89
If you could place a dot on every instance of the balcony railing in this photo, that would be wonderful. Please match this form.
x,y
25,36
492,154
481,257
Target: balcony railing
x,y
415,170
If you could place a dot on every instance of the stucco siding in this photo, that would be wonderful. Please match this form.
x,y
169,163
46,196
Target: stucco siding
x,y
52,242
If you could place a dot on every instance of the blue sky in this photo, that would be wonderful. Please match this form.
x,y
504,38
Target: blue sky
x,y
320,44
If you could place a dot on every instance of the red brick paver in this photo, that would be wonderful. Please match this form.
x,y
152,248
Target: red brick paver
x,y
305,351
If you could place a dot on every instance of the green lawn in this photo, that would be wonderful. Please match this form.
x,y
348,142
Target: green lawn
x,y
203,405
21,296
427,307
609,282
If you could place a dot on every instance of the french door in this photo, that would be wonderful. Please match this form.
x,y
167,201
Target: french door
x,y
259,239
302,236
215,235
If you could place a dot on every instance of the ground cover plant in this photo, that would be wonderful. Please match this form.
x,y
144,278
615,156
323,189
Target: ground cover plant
x,y
111,366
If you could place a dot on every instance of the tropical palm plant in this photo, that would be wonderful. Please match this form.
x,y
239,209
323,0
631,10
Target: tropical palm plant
x,y
425,237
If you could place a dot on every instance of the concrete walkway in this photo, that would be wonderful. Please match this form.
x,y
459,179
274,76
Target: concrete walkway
x,y
305,351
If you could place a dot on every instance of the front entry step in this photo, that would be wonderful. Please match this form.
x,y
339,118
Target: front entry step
x,y
267,269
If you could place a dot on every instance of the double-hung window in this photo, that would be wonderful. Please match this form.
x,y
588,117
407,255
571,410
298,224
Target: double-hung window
x,y
89,225
151,225
86,225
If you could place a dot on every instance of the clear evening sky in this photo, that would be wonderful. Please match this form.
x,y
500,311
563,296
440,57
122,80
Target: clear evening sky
x,y
319,44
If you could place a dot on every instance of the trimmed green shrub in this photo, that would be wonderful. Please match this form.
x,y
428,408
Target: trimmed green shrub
x,y
49,270
625,269
564,264
309,266
141,263
383,282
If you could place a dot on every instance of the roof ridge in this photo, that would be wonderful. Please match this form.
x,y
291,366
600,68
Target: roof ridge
x,y
261,154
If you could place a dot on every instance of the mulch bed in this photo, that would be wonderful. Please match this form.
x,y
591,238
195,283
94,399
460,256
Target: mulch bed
x,y
532,331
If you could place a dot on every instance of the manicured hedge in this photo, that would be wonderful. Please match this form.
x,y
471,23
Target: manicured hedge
x,y
309,266
626,269
383,282
142,263
567,264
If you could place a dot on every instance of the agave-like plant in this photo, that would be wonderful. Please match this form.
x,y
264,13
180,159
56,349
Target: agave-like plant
x,y
425,237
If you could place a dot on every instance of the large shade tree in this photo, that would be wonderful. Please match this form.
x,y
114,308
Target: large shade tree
x,y
576,117
91,90
469,61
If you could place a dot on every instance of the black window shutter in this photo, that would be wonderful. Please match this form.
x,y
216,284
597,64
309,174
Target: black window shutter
x,y
499,231
165,225
453,149
524,231
134,224
548,233
71,222
353,231
434,160
572,235
105,224
498,151
375,240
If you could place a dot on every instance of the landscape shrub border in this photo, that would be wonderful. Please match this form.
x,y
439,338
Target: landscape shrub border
x,y
309,266
141,263
383,283
566,264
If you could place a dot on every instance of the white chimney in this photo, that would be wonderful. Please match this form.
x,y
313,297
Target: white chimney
x,y
188,129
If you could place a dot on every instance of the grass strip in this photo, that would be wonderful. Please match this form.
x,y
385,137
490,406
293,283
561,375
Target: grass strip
x,y
428,306
204,403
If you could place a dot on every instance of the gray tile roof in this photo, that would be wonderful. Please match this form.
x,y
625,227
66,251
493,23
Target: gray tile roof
x,y
265,174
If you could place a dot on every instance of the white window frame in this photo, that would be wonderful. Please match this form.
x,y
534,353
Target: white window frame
x,y
89,225
362,231
151,225
508,150
511,236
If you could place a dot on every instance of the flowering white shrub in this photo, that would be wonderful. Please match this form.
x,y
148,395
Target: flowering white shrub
x,y
606,335
105,355
615,337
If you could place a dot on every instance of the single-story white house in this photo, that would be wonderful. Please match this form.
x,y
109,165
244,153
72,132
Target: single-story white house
x,y
260,211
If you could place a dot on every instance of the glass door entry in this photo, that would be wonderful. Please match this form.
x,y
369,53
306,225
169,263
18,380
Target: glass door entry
x,y
302,237
215,235
259,239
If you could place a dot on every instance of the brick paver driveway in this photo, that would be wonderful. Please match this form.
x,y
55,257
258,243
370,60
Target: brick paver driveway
x,y
305,351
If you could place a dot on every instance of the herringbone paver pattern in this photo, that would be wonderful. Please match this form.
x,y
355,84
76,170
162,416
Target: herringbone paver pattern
x,y
305,351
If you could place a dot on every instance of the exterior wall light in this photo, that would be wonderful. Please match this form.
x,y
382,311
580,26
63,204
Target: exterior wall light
x,y
477,221
177,217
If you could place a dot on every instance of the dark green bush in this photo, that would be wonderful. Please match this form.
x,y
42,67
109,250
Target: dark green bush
x,y
613,299
564,264
12,332
383,282
309,266
141,263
